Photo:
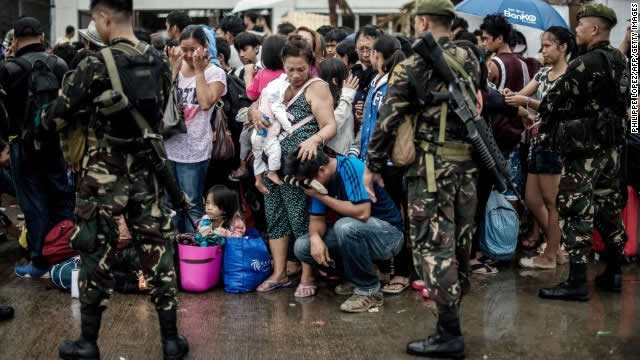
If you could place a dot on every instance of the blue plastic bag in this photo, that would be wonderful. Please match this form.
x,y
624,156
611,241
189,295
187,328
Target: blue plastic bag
x,y
246,263
211,44
500,228
61,273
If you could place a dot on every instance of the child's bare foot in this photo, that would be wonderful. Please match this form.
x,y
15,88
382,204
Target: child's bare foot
x,y
273,176
260,185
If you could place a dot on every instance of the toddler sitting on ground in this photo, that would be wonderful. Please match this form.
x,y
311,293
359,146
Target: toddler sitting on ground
x,y
221,218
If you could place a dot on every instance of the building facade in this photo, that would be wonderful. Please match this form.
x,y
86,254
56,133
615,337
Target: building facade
x,y
151,13
14,9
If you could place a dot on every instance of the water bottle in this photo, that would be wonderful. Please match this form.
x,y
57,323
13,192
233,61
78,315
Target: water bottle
x,y
263,132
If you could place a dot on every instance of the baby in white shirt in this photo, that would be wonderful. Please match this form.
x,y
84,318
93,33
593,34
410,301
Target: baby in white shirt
x,y
266,141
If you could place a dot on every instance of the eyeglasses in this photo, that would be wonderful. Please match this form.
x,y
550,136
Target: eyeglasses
x,y
364,50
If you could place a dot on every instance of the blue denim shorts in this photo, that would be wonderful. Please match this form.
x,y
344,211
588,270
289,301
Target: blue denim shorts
x,y
543,161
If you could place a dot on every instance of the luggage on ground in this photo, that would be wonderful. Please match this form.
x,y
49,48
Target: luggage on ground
x,y
500,228
247,263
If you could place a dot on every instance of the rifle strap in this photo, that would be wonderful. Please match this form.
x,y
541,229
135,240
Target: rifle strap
x,y
116,84
455,64
443,123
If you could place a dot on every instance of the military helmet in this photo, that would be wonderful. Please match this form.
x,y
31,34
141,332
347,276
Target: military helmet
x,y
598,11
435,7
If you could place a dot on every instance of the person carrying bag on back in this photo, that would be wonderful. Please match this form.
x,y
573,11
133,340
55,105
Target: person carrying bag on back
x,y
125,87
32,80
442,177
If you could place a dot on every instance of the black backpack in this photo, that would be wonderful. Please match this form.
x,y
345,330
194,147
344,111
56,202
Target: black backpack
x,y
235,99
136,66
42,89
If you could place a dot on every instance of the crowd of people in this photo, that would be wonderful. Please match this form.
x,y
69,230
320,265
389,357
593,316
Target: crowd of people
x,y
311,118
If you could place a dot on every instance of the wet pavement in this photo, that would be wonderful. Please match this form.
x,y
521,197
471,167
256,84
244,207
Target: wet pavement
x,y
502,318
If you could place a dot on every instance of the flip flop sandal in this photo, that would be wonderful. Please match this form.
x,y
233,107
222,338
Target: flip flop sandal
x,y
483,269
486,260
274,285
418,285
529,263
303,287
425,294
239,178
395,291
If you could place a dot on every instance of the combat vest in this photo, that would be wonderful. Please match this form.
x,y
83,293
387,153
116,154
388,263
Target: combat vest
x,y
606,127
403,152
116,128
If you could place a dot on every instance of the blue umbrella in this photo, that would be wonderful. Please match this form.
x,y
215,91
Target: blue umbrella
x,y
533,13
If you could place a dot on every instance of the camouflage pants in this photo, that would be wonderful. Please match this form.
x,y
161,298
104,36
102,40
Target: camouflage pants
x,y
115,184
442,226
590,196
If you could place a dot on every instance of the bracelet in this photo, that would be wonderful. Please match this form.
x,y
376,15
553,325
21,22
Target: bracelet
x,y
322,139
527,107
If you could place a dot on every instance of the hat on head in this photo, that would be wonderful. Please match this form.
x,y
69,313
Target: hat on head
x,y
27,26
91,34
598,11
435,7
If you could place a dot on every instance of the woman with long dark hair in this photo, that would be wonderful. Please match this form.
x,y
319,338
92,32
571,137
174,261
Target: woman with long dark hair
x,y
201,86
310,102
544,164
343,86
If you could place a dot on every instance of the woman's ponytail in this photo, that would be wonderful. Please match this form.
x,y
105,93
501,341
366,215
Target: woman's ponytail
x,y
564,36
391,50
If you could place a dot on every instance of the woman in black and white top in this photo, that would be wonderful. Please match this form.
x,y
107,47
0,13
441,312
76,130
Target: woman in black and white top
x,y
544,164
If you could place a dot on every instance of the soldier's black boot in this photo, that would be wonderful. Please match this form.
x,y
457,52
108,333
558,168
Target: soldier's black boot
x,y
610,279
446,343
86,347
6,313
174,346
574,289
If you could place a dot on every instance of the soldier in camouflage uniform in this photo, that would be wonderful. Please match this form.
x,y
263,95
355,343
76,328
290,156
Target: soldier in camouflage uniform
x,y
441,181
116,179
585,115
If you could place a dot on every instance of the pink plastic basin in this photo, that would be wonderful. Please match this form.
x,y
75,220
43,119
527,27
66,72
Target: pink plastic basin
x,y
199,267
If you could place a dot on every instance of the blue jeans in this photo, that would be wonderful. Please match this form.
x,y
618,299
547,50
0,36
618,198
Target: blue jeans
x,y
44,193
354,246
191,180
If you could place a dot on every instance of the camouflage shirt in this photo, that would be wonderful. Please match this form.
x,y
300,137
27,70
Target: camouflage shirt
x,y
86,82
586,90
410,84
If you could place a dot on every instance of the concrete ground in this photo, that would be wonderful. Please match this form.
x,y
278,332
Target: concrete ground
x,y
502,318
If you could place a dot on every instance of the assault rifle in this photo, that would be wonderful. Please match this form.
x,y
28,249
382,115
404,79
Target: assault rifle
x,y
459,97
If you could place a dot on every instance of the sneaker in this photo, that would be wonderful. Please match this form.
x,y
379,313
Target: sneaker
x,y
358,303
31,271
345,289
